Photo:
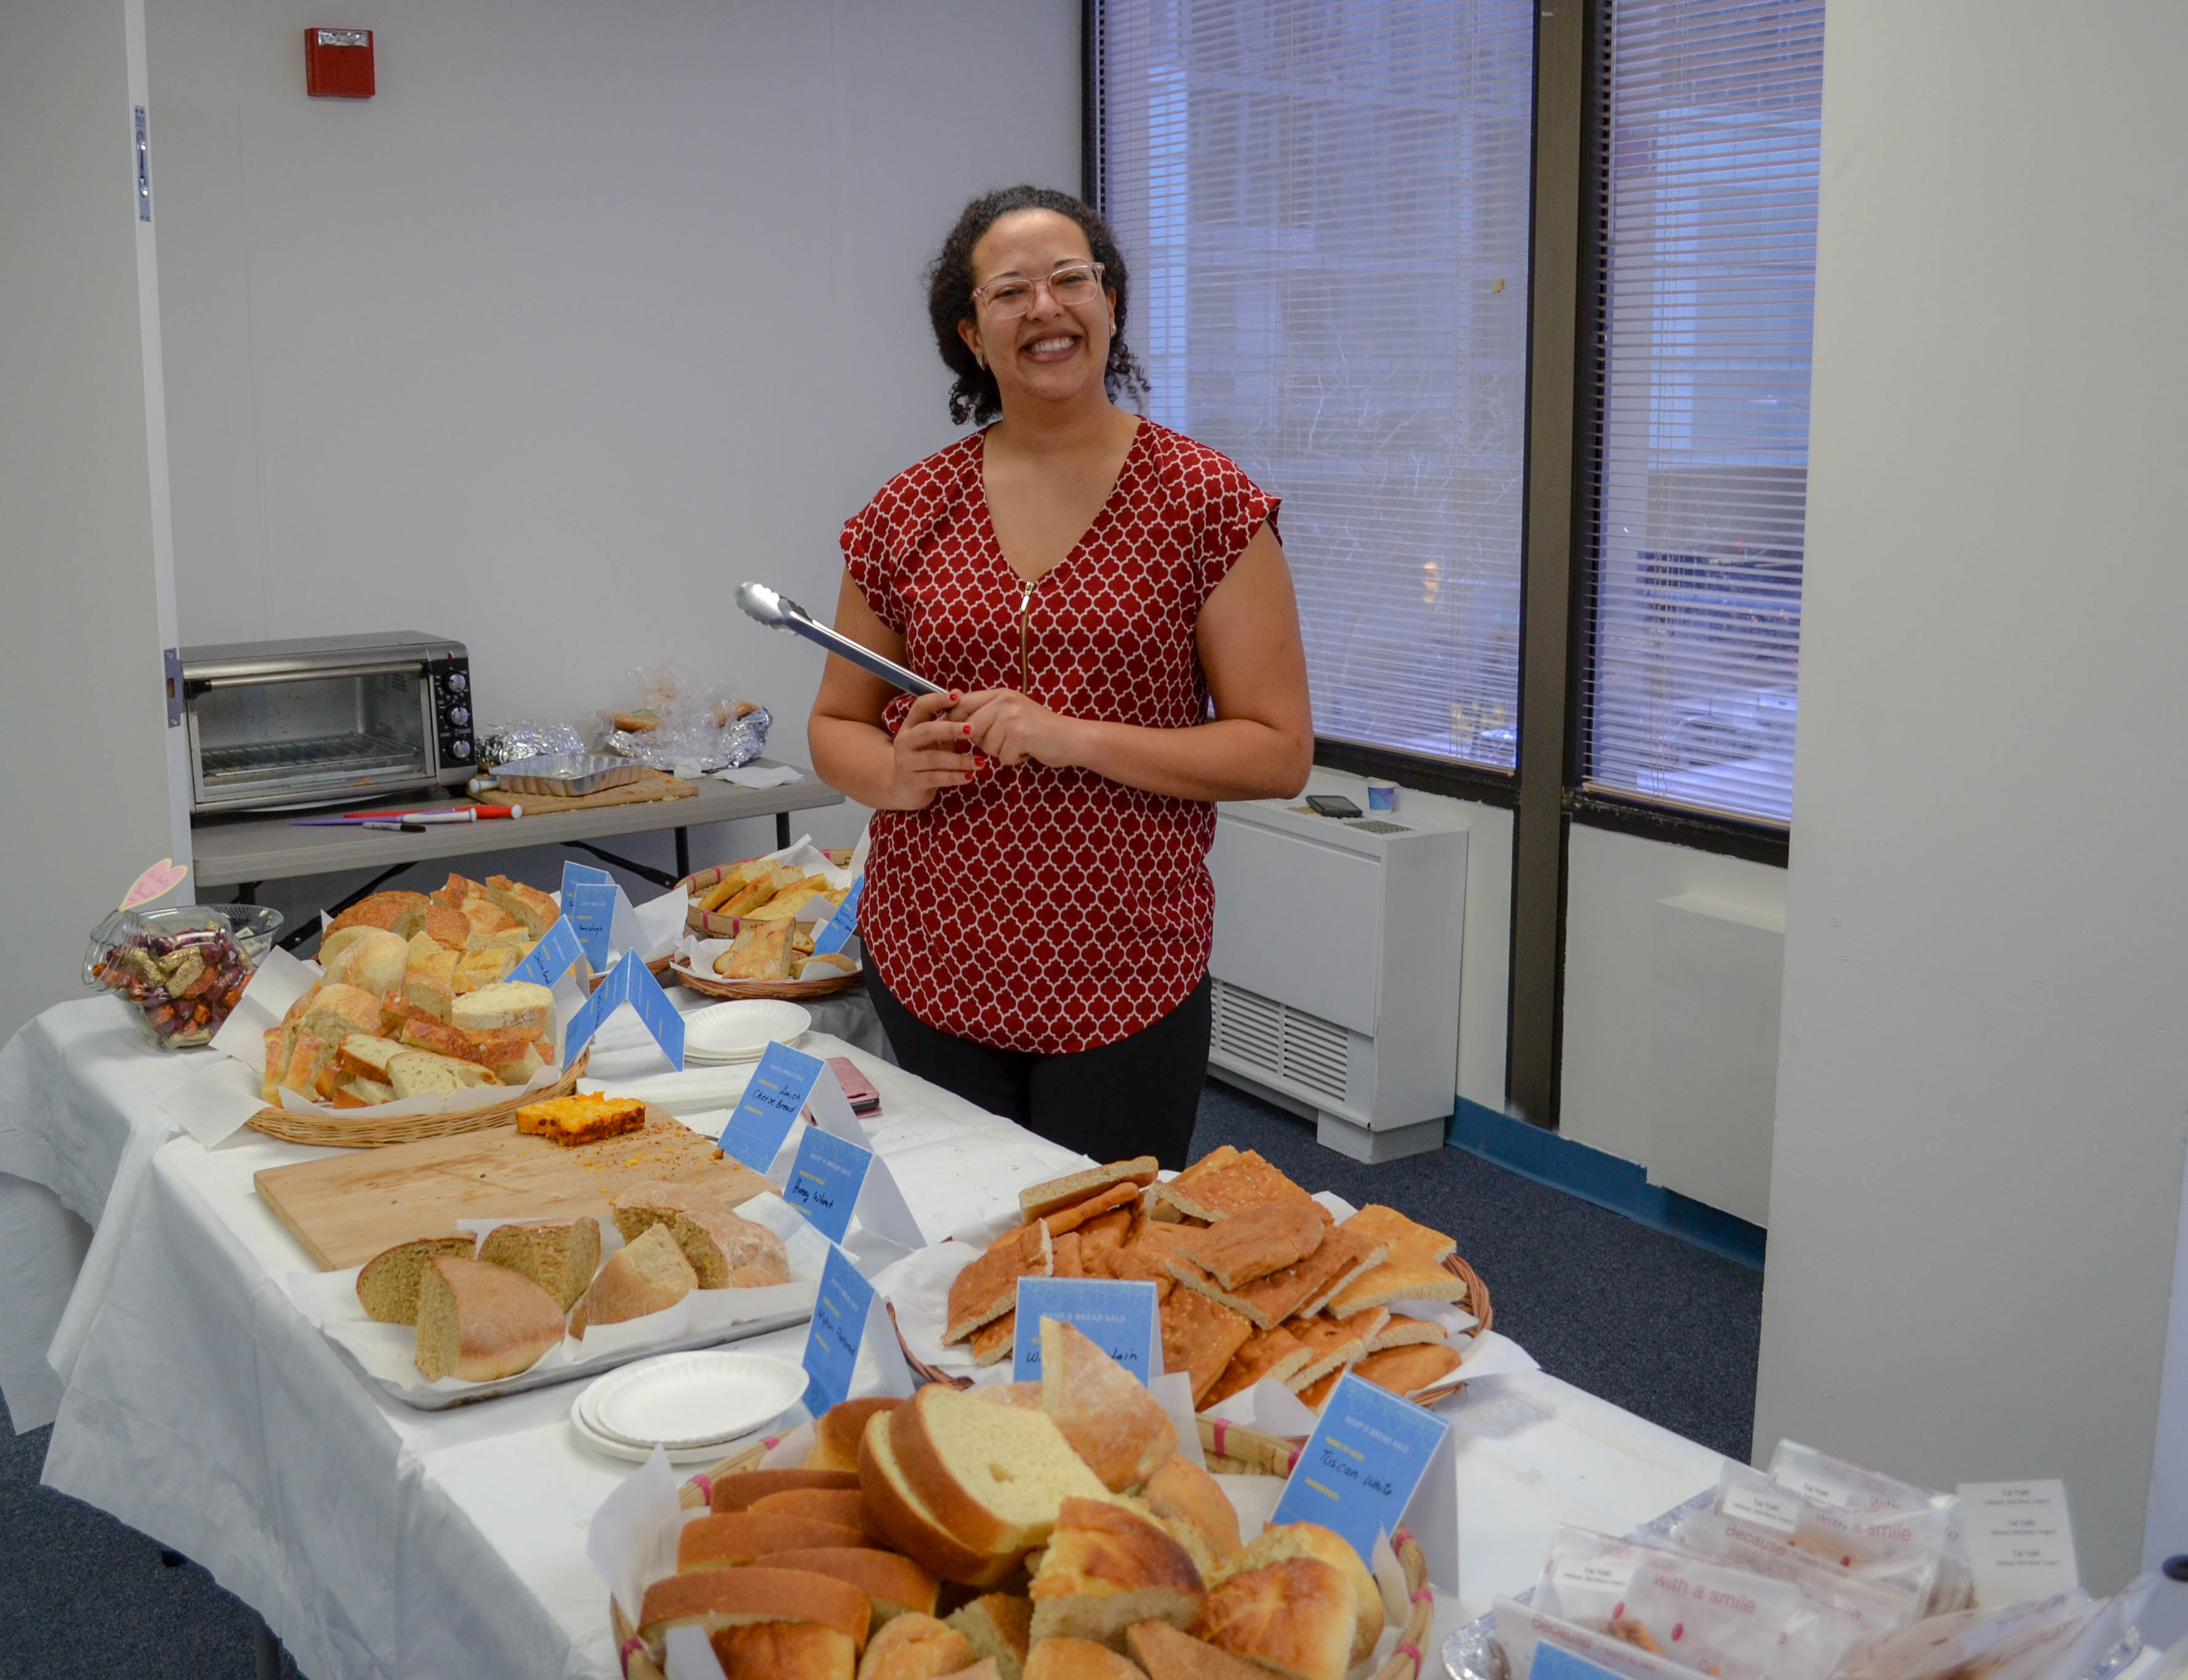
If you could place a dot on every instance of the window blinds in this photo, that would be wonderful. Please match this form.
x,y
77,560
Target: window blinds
x,y
1325,206
1712,113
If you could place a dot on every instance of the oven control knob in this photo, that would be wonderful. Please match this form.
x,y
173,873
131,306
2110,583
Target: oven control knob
x,y
459,749
457,682
460,715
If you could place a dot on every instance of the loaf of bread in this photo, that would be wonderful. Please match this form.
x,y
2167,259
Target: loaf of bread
x,y
508,1004
1115,1426
1187,1498
1106,1567
1167,1655
644,1276
836,1434
988,1288
915,1648
895,1585
477,1322
1256,1241
1070,1659
572,1120
716,1242
1295,1617
994,1476
715,1598
1037,1201
387,1283
1281,1540
560,1258
743,1536
1000,1627
784,1650
904,1516
737,1491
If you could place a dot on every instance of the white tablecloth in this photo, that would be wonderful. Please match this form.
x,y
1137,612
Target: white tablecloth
x,y
380,1541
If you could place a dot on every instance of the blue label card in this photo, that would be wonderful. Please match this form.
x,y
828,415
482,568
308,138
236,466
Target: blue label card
x,y
1370,1452
773,1100
576,874
549,960
839,929
840,1312
589,907
628,982
1556,1662
1118,1316
825,1180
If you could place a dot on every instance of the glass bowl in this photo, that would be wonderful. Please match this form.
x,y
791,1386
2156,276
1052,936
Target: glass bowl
x,y
182,970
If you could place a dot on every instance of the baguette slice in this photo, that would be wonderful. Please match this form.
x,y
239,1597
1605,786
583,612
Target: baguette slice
x,y
995,1475
1038,1201
387,1283
561,1258
418,1073
744,1536
900,1513
731,1598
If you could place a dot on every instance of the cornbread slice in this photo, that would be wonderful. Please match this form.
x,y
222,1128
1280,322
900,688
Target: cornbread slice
x,y
580,1120
993,1475
561,1258
387,1283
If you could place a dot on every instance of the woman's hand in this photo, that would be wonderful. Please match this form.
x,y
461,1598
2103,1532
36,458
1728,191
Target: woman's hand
x,y
928,754
1003,725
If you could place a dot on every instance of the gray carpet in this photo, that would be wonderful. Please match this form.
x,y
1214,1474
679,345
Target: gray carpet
x,y
1644,1320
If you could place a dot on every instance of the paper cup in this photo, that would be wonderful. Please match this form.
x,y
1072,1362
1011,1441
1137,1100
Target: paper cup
x,y
1382,796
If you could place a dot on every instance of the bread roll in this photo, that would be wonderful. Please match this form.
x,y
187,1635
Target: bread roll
x,y
784,1650
387,1283
1182,1491
477,1322
714,1239
1037,1201
1000,1627
893,1584
742,1537
1168,1654
1295,1617
915,1648
836,1434
1069,1659
640,1277
561,1258
729,1598
904,1516
1280,1541
994,1476
1106,1568
1112,1422
737,1491
370,959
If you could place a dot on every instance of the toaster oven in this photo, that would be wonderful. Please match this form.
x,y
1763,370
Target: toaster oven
x,y
322,719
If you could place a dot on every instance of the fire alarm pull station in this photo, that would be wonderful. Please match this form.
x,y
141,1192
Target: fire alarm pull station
x,y
338,64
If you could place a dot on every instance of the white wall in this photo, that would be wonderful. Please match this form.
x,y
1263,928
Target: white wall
x,y
595,311
1613,882
1983,1074
80,670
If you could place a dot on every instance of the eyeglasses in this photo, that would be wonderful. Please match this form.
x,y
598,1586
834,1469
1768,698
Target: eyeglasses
x,y
1010,296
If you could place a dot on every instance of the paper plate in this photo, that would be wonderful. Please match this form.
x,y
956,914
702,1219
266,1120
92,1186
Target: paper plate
x,y
692,1400
589,1433
741,1031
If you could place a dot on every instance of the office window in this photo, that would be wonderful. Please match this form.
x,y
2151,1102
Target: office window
x,y
1711,119
1326,205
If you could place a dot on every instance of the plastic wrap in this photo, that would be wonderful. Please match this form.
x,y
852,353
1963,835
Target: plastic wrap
x,y
526,738
682,726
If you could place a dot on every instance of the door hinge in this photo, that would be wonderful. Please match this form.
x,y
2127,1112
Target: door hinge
x,y
172,659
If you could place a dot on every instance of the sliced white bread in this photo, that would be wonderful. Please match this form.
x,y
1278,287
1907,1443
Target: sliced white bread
x,y
420,1073
734,1597
508,1005
995,1475
904,1516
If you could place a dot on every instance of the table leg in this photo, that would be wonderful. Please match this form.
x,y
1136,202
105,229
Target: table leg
x,y
683,852
246,891
781,830
265,1649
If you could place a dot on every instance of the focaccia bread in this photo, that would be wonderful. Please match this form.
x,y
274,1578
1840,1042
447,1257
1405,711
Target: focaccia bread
x,y
995,1341
1037,1201
477,1322
1267,1354
1199,1336
1106,1567
1255,1241
760,951
1248,1182
988,1288
1410,1368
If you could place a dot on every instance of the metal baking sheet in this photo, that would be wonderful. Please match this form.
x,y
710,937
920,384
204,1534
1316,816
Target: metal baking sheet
x,y
569,774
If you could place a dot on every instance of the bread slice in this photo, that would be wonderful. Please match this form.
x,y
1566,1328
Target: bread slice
x,y
1000,1627
1110,1230
1280,1541
988,1288
903,1514
309,1057
640,1277
718,1243
367,1053
1071,1658
840,1506
561,1258
1268,1355
457,891
836,1434
1249,1181
429,991
1199,1336
1106,1567
482,918
1295,1617
1038,1201
477,969
528,905
477,1322
369,1091
337,1010
1341,1257
1165,1653
1113,1423
1402,1277
787,902
1332,1344
1402,1331
419,1072
730,1598
737,1491
1398,1234
1182,1493
745,1536
573,1120
1409,1369
487,1050
915,1648
760,951
994,1476
996,1340
783,1650
1255,1242
387,1283
518,1004
895,1585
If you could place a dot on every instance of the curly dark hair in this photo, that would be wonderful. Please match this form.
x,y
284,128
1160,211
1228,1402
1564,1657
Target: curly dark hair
x,y
974,396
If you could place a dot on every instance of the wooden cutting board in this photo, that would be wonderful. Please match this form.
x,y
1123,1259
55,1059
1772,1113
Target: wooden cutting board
x,y
347,1208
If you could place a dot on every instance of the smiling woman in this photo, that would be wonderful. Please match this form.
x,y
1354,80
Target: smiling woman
x,y
1108,607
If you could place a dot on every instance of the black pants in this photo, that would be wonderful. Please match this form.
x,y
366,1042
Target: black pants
x,y
1136,1096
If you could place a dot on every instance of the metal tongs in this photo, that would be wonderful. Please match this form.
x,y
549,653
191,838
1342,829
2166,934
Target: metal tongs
x,y
780,612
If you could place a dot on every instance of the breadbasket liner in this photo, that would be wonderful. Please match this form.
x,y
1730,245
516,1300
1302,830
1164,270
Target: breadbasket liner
x,y
1262,1455
365,1131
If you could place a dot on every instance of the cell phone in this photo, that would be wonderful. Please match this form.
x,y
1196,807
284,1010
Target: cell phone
x,y
858,1089
1331,805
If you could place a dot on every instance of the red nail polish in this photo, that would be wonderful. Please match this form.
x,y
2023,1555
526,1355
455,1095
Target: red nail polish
x,y
968,729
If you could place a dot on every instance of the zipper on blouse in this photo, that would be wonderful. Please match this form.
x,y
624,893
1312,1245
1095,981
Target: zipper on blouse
x,y
1025,633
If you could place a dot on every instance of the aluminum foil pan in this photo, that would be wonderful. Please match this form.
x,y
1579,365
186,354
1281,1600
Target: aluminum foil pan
x,y
568,774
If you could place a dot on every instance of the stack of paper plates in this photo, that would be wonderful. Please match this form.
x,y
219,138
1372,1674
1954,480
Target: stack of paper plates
x,y
694,1406
741,1031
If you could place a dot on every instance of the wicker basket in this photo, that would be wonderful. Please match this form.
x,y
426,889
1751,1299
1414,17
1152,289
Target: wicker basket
x,y
294,1125
1245,1452
708,925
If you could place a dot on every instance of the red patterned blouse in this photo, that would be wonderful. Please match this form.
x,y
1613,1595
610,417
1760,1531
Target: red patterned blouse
x,y
1034,908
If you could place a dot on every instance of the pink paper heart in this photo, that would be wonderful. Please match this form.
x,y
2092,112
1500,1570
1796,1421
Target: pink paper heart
x,y
163,877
